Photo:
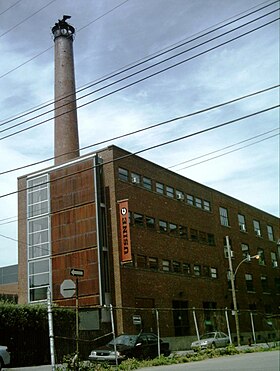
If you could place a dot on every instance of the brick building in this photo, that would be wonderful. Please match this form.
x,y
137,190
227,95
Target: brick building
x,y
70,217
177,234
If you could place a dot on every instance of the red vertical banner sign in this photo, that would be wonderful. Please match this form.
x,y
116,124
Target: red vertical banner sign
x,y
125,232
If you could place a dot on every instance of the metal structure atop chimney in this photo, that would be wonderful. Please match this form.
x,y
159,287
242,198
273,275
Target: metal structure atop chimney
x,y
66,137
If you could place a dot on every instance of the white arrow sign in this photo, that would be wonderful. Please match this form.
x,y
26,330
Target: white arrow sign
x,y
77,272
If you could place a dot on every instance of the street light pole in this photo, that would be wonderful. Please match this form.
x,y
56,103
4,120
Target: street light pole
x,y
232,280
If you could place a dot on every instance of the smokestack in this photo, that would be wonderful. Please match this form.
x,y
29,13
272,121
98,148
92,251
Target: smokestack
x,y
66,137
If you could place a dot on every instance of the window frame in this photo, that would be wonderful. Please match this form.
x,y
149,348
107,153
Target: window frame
x,y
249,282
123,174
163,226
270,233
224,216
160,188
169,191
147,183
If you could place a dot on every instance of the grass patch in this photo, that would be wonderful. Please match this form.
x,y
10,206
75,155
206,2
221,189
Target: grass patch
x,y
134,364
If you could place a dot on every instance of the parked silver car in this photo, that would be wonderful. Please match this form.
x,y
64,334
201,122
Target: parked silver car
x,y
211,340
4,357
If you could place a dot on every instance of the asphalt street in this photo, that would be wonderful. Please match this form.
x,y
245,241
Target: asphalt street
x,y
260,361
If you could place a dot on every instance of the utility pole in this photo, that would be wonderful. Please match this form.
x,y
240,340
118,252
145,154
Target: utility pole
x,y
232,280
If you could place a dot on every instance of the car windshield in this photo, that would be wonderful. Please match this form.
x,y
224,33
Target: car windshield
x,y
208,336
128,340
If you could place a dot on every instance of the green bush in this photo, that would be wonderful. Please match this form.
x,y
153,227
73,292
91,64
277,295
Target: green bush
x,y
24,329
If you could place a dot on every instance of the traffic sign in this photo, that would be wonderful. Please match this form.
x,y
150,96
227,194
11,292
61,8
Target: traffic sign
x,y
77,272
68,288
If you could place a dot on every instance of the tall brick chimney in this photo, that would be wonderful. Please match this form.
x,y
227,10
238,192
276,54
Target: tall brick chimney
x,y
66,137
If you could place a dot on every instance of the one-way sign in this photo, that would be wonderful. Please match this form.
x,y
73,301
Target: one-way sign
x,y
77,272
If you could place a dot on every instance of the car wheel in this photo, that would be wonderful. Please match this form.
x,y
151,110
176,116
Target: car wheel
x,y
213,345
1,363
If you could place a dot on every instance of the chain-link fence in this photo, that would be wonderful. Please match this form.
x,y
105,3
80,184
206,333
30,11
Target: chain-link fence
x,y
179,326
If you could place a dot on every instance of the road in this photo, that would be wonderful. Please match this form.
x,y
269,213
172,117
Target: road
x,y
260,361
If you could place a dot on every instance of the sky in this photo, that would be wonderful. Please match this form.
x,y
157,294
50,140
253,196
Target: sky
x,y
215,58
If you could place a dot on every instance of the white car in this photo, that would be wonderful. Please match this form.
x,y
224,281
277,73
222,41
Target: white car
x,y
211,340
5,358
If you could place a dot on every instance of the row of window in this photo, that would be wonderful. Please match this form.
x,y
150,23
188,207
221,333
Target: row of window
x,y
264,283
173,266
224,219
262,259
171,228
163,189
38,231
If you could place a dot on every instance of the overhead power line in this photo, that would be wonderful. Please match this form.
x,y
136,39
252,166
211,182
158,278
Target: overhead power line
x,y
25,19
132,66
207,109
134,82
154,147
11,6
223,148
6,221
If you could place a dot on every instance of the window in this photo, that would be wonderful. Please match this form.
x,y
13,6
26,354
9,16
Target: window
x,y
245,250
170,191
159,188
249,282
141,261
147,183
135,178
261,257
38,237
186,268
162,226
38,232
242,223
150,222
183,231
37,196
202,237
206,271
257,228
176,266
194,234
264,283
206,205
213,272
270,233
198,202
190,200
277,284
153,264
210,239
180,195
123,174
166,265
197,270
224,217
138,219
274,260
39,279
173,229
